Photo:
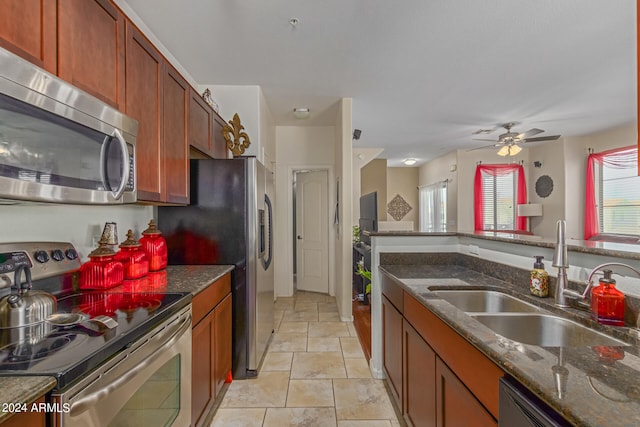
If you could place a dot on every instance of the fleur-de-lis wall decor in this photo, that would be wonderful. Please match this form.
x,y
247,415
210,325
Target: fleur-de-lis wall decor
x,y
237,140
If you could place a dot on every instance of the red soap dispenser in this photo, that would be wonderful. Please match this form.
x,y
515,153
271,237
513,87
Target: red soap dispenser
x,y
607,303
155,247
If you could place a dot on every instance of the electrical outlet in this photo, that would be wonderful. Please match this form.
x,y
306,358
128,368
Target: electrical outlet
x,y
474,250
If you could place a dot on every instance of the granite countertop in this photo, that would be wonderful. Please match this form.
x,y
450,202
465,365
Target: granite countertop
x,y
23,391
602,384
180,278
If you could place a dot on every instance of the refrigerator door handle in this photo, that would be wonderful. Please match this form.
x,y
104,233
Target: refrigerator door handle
x,y
267,262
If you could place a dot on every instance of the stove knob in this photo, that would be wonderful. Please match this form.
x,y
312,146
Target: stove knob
x,y
71,254
57,255
41,256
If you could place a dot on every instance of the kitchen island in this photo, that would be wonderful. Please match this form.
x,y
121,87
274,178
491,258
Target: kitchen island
x,y
600,384
23,391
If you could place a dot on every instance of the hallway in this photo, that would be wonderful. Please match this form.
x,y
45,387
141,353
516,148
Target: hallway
x,y
315,374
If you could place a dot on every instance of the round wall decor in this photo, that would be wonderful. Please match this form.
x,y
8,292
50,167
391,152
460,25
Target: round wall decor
x,y
544,186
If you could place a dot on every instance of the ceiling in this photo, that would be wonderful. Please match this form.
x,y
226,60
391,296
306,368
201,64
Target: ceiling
x,y
423,75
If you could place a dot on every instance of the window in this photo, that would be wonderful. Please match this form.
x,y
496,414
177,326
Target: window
x,y
612,194
498,191
433,207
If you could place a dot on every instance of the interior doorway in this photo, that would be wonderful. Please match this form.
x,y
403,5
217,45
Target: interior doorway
x,y
311,230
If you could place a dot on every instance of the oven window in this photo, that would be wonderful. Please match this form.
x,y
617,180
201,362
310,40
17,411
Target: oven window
x,y
157,401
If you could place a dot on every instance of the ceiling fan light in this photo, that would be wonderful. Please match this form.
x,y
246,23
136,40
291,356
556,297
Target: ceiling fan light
x,y
504,151
514,149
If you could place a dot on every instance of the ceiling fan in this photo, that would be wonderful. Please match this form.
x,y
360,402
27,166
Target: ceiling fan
x,y
509,140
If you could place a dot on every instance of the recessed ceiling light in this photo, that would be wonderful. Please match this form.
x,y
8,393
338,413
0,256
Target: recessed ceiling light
x,y
410,162
301,113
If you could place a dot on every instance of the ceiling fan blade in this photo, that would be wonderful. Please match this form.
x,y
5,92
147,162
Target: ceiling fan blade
x,y
478,139
542,138
486,146
529,133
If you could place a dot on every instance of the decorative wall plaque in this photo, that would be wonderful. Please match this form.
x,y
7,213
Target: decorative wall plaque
x,y
544,186
237,140
398,207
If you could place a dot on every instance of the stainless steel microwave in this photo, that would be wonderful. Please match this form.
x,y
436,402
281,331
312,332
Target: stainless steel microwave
x,y
59,144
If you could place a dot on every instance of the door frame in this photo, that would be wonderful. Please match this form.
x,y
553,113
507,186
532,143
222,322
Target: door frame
x,y
292,170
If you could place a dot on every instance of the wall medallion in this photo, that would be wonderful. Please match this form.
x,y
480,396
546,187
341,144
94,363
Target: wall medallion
x,y
544,186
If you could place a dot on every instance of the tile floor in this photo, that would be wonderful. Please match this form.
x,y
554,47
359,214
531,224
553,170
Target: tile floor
x,y
314,374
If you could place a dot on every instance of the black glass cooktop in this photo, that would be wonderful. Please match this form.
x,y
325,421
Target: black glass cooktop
x,y
85,334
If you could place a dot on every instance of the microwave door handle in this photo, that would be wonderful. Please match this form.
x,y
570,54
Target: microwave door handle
x,y
125,163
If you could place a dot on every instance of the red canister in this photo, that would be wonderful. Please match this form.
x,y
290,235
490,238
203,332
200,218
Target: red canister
x,y
133,258
155,246
102,271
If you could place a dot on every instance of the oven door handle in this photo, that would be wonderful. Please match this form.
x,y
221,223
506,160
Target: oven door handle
x,y
92,399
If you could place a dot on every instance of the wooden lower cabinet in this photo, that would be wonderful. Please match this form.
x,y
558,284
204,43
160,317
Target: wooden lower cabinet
x,y
211,347
455,404
29,418
419,379
392,348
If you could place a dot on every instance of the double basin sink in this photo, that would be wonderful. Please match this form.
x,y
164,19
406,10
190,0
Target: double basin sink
x,y
520,321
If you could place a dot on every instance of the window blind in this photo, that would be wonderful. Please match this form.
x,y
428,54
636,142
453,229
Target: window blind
x,y
499,193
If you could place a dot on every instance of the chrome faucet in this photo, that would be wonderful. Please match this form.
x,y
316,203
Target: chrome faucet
x,y
589,281
561,263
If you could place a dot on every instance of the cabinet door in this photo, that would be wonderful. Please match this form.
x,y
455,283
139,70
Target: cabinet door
x,y
175,169
91,48
28,29
218,144
200,123
222,347
202,368
392,348
455,404
29,418
419,378
144,103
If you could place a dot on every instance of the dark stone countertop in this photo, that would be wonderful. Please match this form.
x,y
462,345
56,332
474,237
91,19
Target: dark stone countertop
x,y
600,390
180,278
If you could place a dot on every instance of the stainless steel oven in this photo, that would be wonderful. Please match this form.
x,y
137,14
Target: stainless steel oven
x,y
60,144
149,383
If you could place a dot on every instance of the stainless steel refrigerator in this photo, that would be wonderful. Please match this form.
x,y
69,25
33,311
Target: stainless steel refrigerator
x,y
229,221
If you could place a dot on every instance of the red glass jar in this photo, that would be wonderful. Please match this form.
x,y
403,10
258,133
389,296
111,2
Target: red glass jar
x,y
607,303
133,258
155,246
102,271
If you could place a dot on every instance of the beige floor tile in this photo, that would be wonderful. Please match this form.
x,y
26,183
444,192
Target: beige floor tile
x,y
310,394
245,417
328,329
324,344
362,399
288,342
351,347
294,327
300,316
357,368
318,365
352,329
277,319
316,417
277,361
268,390
312,297
327,307
328,317
305,306
365,423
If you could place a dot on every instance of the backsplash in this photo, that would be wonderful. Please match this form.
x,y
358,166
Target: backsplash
x,y
79,224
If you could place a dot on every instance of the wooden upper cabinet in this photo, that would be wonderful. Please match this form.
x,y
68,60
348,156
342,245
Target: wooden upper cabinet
x,y
144,75
175,170
28,29
200,123
91,48
218,144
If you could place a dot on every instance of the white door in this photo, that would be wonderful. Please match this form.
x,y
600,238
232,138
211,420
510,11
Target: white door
x,y
312,236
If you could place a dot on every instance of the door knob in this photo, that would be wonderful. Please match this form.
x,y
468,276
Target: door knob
x,y
299,237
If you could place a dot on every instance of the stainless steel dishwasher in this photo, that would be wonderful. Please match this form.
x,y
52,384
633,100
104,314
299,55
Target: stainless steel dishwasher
x,y
519,407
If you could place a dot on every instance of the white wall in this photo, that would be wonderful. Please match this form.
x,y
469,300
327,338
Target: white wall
x,y
361,156
298,148
80,225
551,155
344,249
